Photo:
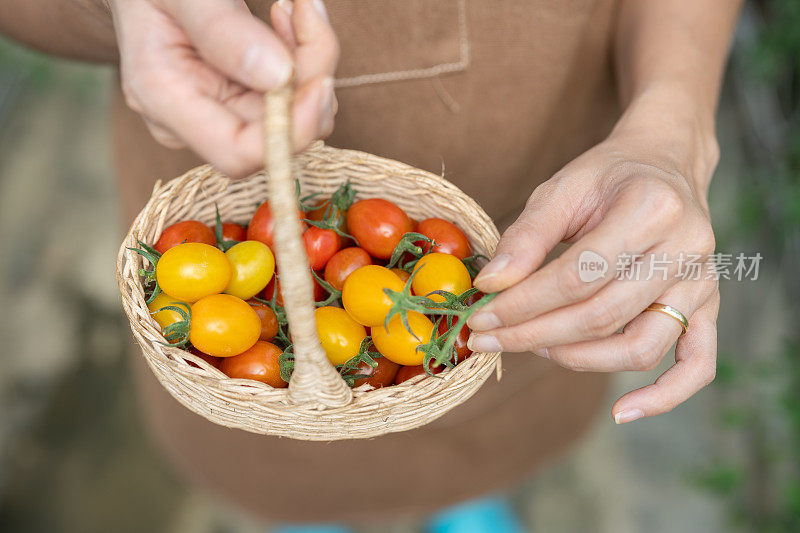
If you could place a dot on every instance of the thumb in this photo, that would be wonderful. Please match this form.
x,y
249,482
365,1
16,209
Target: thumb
x,y
229,37
544,222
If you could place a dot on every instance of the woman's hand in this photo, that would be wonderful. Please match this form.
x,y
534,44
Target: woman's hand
x,y
639,192
196,71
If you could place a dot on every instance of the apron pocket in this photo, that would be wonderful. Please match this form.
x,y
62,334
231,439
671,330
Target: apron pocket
x,y
391,40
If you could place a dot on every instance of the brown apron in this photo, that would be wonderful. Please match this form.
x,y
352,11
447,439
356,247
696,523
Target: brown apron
x,y
496,94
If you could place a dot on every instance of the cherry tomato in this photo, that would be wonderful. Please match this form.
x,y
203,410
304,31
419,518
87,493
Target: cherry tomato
x,y
462,351
320,244
317,214
381,376
233,232
397,344
186,231
319,292
167,317
402,274
343,263
261,363
340,335
448,237
269,322
193,270
407,372
472,300
377,226
210,359
440,272
363,296
223,325
253,266
262,225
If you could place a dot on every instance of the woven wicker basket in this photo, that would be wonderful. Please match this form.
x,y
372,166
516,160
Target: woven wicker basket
x,y
318,405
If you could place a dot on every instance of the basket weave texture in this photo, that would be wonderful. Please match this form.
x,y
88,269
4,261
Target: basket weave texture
x,y
257,407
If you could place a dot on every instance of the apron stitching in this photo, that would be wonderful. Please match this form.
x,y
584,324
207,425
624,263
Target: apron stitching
x,y
429,72
446,98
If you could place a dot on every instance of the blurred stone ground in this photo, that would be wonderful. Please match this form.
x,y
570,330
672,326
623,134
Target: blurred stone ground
x,y
73,456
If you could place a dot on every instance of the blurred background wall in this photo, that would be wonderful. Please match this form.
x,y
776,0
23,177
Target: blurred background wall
x,y
73,456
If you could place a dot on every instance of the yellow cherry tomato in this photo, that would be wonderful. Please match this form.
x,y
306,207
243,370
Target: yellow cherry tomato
x,y
339,334
193,270
440,272
363,297
253,266
397,344
223,325
167,317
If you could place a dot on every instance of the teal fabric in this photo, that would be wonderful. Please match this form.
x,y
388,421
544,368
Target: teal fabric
x,y
485,515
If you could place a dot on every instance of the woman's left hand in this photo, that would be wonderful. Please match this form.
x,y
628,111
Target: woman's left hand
x,y
632,194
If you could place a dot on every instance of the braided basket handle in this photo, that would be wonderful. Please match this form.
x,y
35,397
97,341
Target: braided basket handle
x,y
314,380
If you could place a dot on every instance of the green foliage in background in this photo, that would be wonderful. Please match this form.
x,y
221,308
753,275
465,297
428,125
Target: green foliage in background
x,y
761,481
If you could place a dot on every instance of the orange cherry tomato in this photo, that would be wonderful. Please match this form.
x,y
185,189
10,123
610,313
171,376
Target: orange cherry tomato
x,y
261,363
223,325
440,272
398,344
185,231
363,297
343,263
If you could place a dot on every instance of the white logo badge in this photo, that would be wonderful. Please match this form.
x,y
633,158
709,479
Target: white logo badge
x,y
591,266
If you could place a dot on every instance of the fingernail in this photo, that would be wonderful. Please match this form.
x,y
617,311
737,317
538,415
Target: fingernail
x,y
495,266
484,321
542,352
484,343
327,103
267,69
623,417
286,5
319,5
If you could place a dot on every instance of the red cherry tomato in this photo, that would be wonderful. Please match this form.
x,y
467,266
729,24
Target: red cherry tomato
x,y
475,297
233,232
381,376
319,292
343,263
321,244
210,359
448,237
269,322
377,226
462,351
405,373
260,363
186,231
317,214
261,226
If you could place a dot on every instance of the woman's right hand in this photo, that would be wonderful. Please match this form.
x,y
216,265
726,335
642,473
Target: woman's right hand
x,y
196,71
